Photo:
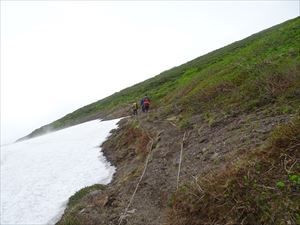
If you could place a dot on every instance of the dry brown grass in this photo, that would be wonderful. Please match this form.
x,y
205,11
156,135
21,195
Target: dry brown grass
x,y
277,83
135,137
262,187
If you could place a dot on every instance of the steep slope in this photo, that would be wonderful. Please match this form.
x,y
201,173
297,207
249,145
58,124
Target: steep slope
x,y
260,70
260,186
220,145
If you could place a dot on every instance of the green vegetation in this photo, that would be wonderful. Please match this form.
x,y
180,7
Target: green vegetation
x,y
74,206
262,187
74,199
258,74
71,220
261,70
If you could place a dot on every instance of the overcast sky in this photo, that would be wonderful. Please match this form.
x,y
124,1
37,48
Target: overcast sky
x,y
57,56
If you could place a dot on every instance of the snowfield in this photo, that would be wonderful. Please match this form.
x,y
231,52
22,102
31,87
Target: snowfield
x,y
39,175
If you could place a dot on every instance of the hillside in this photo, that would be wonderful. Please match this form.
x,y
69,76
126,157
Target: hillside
x,y
221,144
260,70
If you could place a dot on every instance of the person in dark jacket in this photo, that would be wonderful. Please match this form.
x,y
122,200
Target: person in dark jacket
x,y
142,105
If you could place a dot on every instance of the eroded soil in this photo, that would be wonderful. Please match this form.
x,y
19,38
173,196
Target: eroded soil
x,y
206,147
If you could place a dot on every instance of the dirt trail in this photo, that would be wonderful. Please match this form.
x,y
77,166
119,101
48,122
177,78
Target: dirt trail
x,y
206,148
159,180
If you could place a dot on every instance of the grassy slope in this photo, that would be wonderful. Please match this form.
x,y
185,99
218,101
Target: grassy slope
x,y
260,70
262,187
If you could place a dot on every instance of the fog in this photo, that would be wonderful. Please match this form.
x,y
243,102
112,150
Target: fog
x,y
57,56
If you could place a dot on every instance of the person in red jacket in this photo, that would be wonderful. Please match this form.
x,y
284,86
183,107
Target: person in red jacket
x,y
146,103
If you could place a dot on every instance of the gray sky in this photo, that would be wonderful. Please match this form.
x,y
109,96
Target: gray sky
x,y
57,56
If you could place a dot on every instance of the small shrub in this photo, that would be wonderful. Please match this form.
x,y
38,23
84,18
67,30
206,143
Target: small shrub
x,y
70,220
184,122
74,199
209,118
285,109
280,184
295,178
297,216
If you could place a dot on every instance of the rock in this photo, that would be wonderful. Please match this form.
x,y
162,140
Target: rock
x,y
103,201
215,155
204,149
82,211
203,140
173,118
131,211
263,131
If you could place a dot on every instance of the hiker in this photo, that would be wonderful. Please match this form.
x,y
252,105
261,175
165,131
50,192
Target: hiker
x,y
142,105
135,109
146,103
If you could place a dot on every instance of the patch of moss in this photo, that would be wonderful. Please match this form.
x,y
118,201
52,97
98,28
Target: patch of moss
x,y
74,199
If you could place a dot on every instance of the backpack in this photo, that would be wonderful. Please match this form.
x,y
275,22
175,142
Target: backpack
x,y
134,106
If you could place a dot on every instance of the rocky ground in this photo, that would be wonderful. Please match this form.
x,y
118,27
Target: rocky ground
x,y
206,146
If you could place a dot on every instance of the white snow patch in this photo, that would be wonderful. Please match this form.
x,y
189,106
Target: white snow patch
x,y
39,175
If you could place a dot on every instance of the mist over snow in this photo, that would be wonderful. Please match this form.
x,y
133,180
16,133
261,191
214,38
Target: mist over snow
x,y
39,175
